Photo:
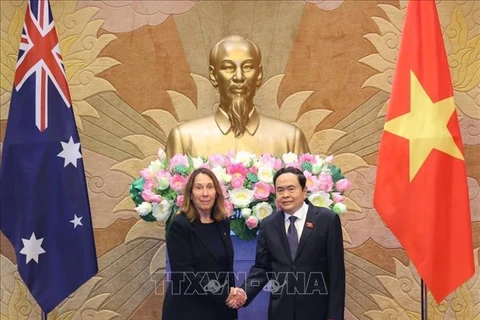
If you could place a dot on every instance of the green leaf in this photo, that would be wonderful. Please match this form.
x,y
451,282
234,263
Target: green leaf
x,y
241,230
336,173
149,217
136,189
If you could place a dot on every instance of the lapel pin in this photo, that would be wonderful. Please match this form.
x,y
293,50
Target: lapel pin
x,y
309,225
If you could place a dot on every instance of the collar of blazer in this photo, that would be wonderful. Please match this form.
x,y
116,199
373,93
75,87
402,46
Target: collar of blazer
x,y
310,221
224,233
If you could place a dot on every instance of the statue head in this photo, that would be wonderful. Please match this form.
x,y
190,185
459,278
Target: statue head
x,y
236,72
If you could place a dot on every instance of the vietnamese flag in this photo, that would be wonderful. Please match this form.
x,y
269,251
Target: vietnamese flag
x,y
421,187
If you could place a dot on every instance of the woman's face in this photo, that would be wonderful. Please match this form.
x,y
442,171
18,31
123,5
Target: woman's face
x,y
203,193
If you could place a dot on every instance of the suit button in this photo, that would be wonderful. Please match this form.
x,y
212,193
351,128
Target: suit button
x,y
293,267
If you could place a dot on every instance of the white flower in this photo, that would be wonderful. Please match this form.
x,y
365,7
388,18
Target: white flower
x,y
227,178
320,199
197,162
163,183
339,208
246,158
289,157
265,174
144,208
262,210
317,166
162,210
219,172
246,212
155,166
257,164
241,198
161,154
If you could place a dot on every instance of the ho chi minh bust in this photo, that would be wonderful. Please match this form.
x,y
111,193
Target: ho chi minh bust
x,y
236,72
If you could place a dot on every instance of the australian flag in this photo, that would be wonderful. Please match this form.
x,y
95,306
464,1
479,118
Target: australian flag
x,y
45,211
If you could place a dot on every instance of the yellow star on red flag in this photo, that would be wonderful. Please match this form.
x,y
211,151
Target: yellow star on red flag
x,y
425,126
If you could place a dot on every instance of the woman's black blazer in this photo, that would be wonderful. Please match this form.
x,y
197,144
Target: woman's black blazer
x,y
196,289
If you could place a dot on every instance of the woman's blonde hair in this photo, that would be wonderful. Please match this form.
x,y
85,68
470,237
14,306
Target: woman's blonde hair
x,y
219,212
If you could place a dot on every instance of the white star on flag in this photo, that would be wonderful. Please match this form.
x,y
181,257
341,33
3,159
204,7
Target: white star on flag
x,y
32,248
76,221
70,152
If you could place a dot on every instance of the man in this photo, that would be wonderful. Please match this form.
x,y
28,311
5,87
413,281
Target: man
x,y
300,255
236,72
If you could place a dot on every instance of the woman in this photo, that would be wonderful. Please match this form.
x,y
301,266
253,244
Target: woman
x,y
201,254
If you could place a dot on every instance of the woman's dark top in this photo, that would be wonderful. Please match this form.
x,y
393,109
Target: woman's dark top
x,y
208,233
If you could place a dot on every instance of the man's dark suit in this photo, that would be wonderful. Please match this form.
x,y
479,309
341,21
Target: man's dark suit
x,y
309,287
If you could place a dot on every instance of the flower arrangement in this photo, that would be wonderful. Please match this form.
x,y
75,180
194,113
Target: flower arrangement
x,y
247,183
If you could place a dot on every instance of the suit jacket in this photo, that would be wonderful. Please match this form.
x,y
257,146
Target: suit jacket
x,y
312,285
197,288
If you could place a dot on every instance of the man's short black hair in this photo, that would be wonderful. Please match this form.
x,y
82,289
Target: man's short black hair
x,y
301,177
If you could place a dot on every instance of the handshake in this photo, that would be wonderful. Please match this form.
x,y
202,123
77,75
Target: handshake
x,y
236,298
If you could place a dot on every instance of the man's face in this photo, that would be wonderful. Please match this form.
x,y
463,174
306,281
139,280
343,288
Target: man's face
x,y
237,71
290,195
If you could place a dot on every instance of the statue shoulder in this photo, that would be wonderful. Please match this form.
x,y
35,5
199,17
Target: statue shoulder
x,y
192,126
286,131
267,120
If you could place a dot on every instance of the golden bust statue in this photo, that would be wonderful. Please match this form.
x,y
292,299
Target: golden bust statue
x,y
236,72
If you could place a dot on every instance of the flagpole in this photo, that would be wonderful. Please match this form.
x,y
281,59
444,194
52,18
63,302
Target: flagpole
x,y
424,299
44,315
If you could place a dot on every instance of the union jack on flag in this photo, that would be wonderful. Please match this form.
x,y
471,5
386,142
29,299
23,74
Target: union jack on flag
x,y
44,207
39,54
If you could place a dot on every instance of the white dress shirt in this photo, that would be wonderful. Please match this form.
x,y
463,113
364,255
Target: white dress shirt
x,y
301,215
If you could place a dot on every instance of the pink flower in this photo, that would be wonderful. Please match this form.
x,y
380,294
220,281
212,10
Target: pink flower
x,y
337,197
253,170
267,159
205,165
270,161
342,185
237,170
225,190
229,206
325,182
278,164
150,196
294,164
179,201
150,185
147,174
177,182
312,182
178,159
261,190
216,160
307,157
237,182
251,222
328,159
163,174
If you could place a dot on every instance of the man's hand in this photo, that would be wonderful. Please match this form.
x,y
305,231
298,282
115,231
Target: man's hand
x,y
236,298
